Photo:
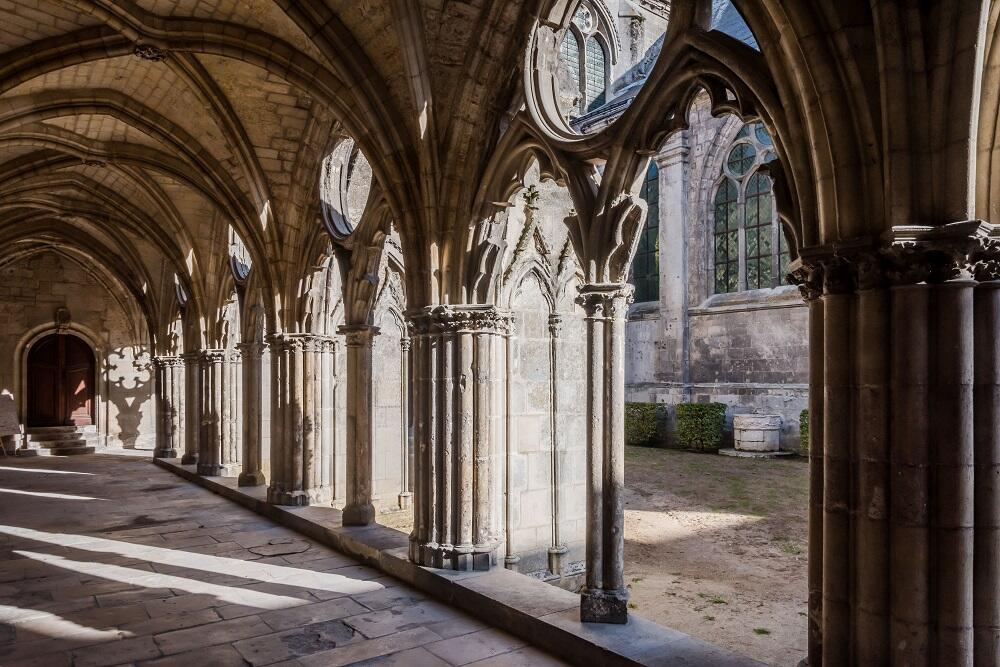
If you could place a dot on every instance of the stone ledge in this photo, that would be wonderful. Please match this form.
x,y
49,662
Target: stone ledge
x,y
539,613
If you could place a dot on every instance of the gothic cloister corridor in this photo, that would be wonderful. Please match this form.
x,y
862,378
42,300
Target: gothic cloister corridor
x,y
446,263
107,560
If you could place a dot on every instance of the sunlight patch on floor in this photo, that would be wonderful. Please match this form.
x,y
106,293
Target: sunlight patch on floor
x,y
686,523
54,496
48,471
263,572
125,575
51,625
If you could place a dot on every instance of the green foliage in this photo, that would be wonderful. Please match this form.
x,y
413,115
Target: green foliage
x,y
804,431
644,424
701,425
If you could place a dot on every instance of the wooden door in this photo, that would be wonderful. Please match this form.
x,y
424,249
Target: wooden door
x,y
60,382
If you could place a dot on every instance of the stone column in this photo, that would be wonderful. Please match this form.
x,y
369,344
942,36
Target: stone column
x,y
510,559
213,374
252,355
903,531
455,486
558,550
360,510
605,598
229,451
405,494
326,411
672,365
296,436
168,383
192,407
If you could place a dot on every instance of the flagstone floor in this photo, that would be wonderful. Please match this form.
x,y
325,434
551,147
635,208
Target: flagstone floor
x,y
108,560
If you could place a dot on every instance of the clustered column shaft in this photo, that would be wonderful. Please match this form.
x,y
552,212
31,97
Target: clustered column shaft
x,y
169,382
405,492
252,355
558,550
904,507
456,420
214,411
192,407
605,597
301,469
360,510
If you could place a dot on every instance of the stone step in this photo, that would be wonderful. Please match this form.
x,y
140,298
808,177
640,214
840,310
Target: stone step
x,y
61,429
62,444
54,436
72,451
64,448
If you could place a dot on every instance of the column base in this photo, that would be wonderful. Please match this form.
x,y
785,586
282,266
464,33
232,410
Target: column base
x,y
358,515
510,561
164,453
557,559
601,606
251,478
405,500
231,469
287,498
189,460
210,470
448,557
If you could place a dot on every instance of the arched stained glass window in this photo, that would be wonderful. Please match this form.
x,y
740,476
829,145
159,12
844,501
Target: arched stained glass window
x,y
750,249
759,228
586,60
727,242
646,266
570,52
596,91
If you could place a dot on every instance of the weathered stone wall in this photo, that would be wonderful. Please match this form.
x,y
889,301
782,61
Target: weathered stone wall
x,y
542,285
390,452
31,290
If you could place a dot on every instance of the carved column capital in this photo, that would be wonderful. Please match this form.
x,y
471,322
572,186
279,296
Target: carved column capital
x,y
359,335
610,300
254,350
906,255
211,356
555,324
450,319
167,361
405,344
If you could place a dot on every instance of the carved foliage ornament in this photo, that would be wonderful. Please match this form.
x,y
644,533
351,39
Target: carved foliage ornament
x,y
907,255
453,319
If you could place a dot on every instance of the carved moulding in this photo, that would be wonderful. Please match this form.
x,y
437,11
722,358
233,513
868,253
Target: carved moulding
x,y
905,255
459,319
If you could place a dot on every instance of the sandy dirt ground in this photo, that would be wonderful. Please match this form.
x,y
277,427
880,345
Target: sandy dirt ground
x,y
715,547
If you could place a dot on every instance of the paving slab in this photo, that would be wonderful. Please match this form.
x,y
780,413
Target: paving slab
x,y
167,574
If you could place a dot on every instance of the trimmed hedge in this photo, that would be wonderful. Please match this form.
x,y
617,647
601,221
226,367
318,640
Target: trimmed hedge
x,y
644,424
804,431
701,425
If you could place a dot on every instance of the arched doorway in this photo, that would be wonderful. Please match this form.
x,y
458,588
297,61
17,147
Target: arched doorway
x,y
61,382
